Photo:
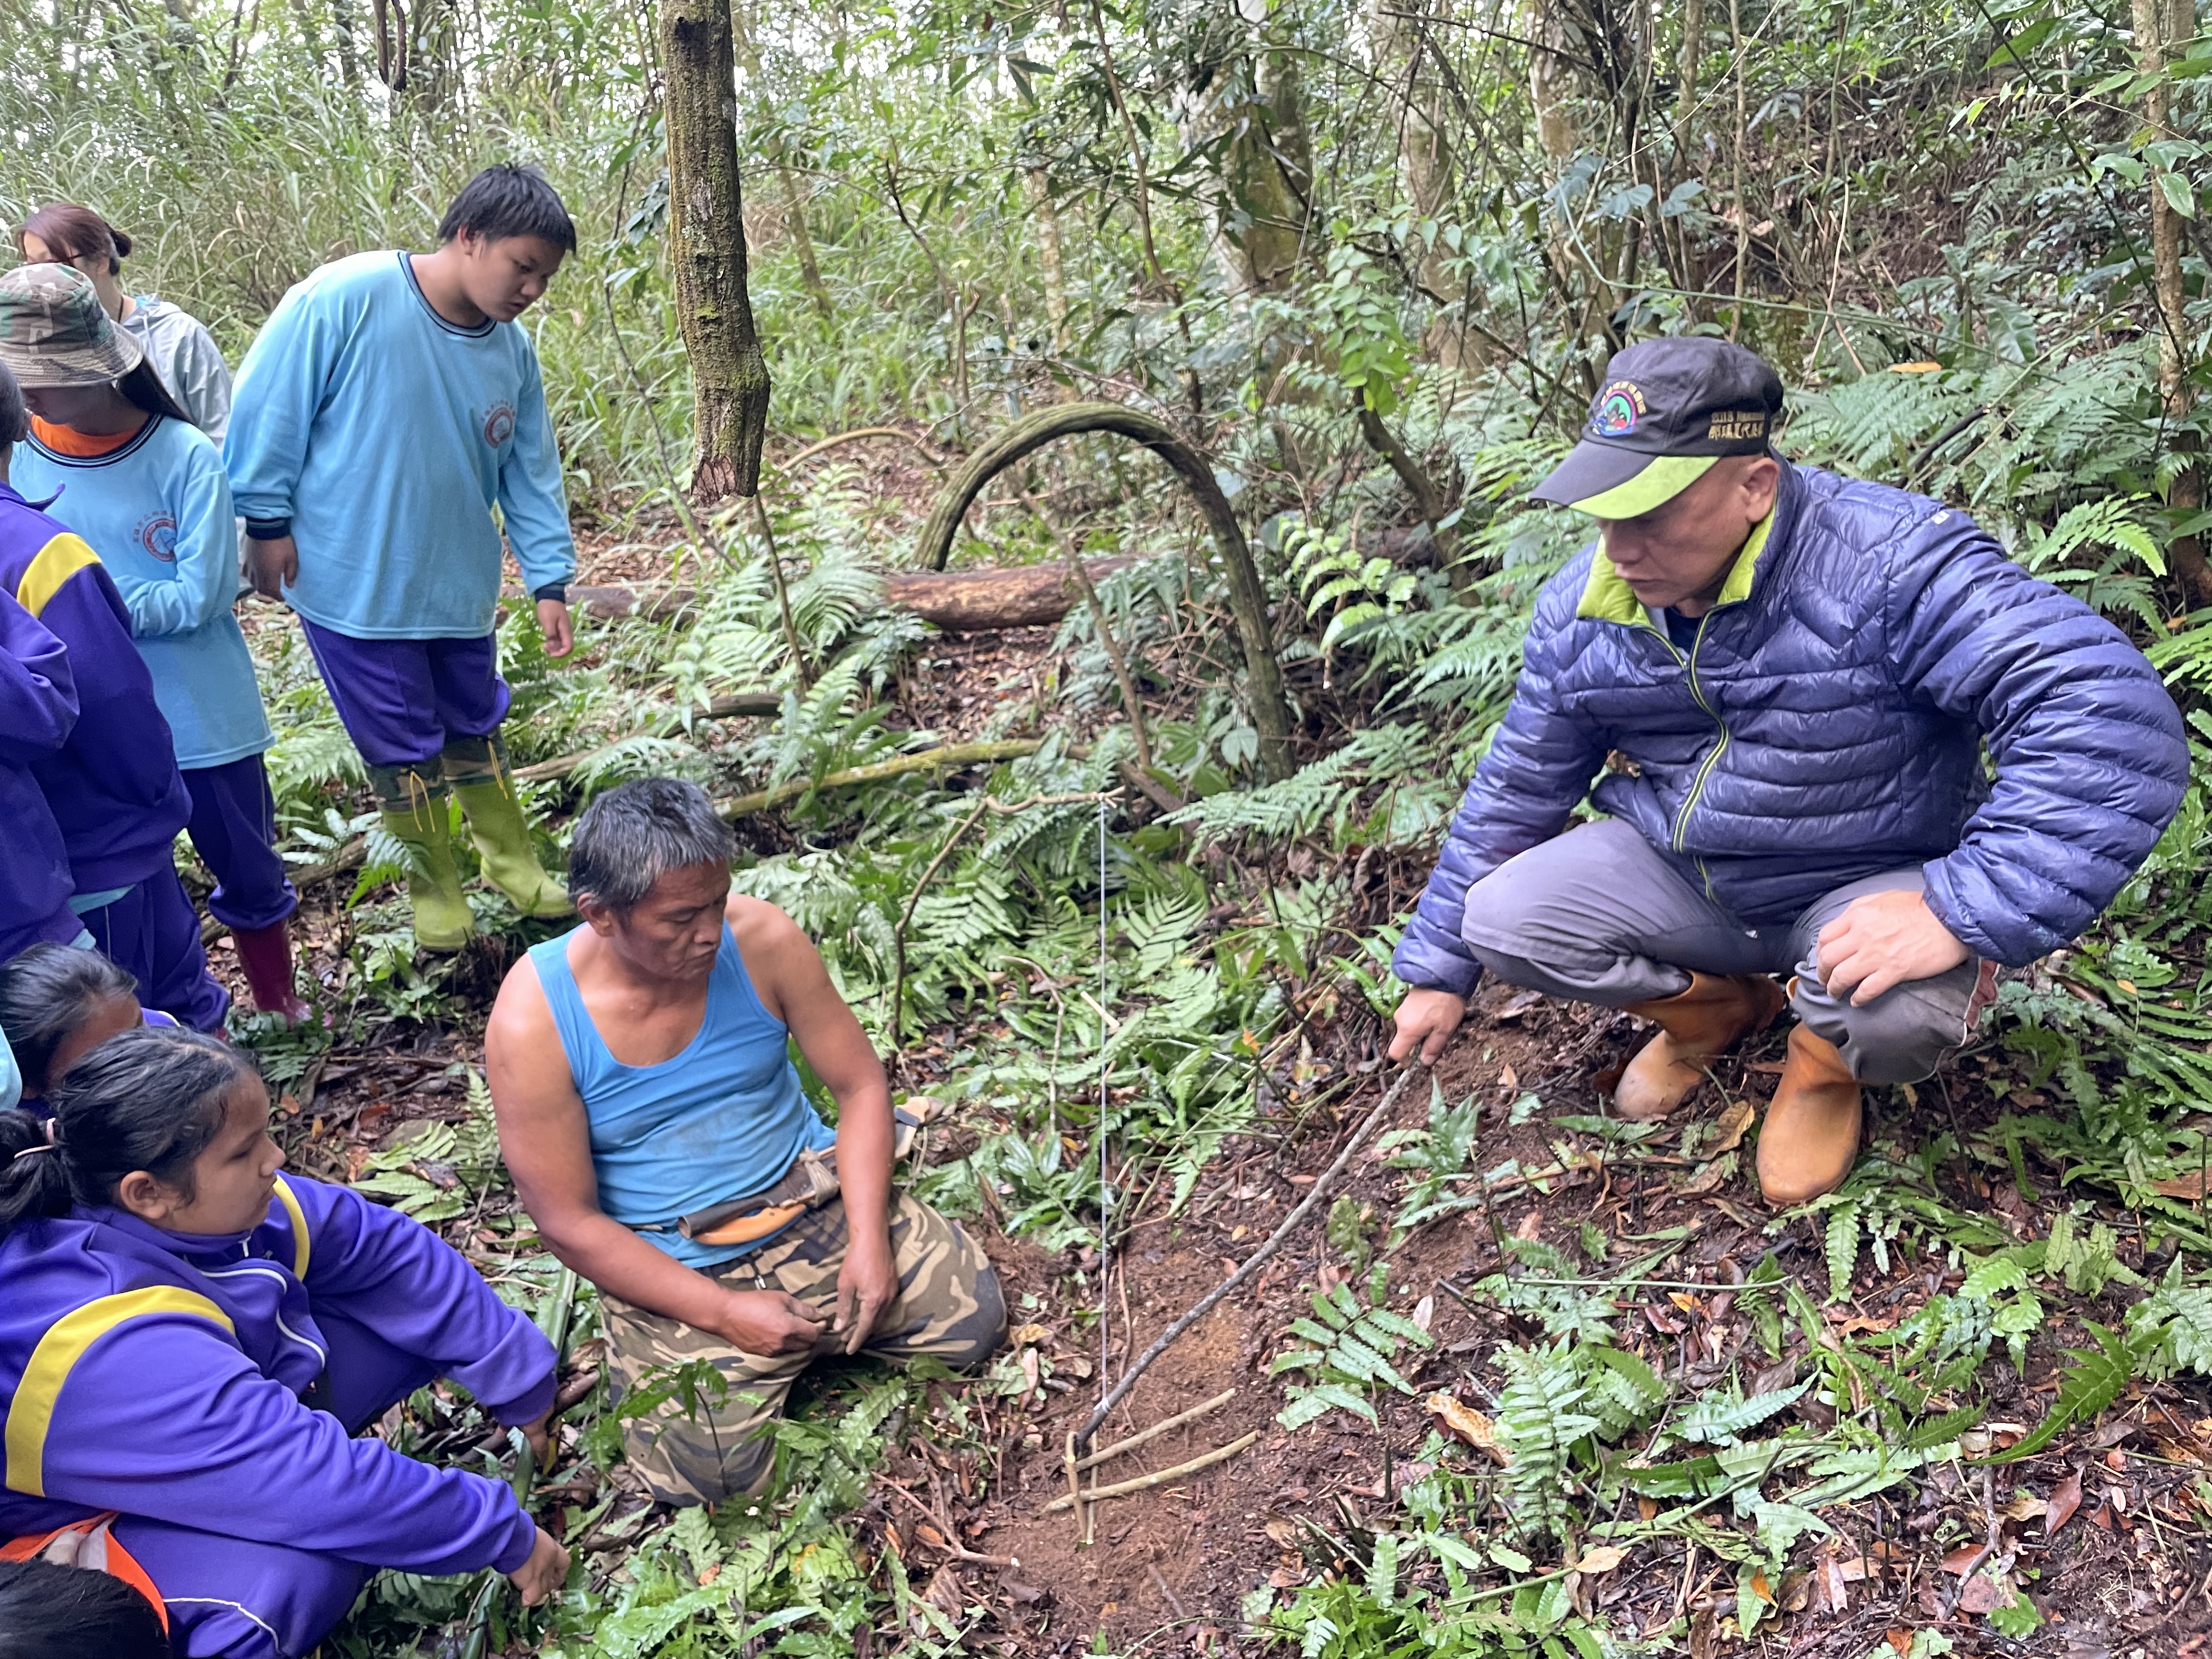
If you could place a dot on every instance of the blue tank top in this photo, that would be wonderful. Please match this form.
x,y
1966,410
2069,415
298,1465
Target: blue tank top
x,y
723,1118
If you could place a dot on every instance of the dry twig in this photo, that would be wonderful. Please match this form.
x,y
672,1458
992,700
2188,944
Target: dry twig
x,y
1211,1299
1159,1478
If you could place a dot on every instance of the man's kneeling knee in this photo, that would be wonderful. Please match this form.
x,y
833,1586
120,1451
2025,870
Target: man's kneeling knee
x,y
1906,1033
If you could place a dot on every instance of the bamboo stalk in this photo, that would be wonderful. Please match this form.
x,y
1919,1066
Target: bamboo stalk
x,y
1161,1477
952,754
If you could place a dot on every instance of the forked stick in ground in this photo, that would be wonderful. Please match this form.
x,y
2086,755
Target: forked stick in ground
x,y
1107,1454
1159,1477
1206,1304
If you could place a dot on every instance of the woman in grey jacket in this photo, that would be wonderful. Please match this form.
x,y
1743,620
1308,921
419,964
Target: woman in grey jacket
x,y
183,353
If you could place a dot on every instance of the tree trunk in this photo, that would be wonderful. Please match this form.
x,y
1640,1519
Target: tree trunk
x,y
1548,86
802,235
1248,595
2155,28
1401,46
1049,256
1267,171
706,250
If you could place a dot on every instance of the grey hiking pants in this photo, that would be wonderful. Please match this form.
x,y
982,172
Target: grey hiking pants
x,y
1597,915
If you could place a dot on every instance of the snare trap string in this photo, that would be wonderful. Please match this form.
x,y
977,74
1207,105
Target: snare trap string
x,y
1105,1230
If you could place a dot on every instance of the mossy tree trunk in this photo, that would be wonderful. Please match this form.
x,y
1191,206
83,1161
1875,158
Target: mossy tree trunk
x,y
706,249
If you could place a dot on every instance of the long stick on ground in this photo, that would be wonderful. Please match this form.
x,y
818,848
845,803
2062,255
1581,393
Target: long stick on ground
x,y
1160,1478
1107,1454
1206,1304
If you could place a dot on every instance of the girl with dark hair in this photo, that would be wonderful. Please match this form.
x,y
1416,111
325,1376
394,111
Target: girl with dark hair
x,y
178,346
190,1338
106,770
58,1003
51,1608
146,491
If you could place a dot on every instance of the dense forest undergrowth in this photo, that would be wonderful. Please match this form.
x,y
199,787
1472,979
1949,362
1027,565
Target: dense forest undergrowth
x,y
1534,1380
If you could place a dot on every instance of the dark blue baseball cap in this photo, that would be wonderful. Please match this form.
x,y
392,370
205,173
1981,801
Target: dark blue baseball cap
x,y
1667,410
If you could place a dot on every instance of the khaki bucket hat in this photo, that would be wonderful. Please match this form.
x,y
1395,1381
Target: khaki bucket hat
x,y
54,332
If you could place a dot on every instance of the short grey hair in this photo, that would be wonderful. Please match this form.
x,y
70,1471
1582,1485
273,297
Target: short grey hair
x,y
631,836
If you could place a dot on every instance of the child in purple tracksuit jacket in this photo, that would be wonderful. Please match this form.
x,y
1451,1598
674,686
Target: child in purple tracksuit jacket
x,y
37,708
112,786
189,1339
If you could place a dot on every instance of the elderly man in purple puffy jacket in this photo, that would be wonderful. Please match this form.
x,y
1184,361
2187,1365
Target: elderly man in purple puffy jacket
x,y
1789,679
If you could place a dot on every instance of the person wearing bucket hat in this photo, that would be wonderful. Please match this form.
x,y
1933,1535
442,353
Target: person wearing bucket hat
x,y
1785,682
115,460
176,343
113,786
387,407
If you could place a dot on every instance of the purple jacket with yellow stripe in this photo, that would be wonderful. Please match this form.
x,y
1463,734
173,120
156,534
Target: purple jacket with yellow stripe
x,y
113,786
161,1376
37,708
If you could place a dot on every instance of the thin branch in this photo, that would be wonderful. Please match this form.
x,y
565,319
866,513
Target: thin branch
x,y
1143,1482
1211,1299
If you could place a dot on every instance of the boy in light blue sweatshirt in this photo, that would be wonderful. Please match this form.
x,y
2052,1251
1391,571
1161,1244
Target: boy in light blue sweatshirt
x,y
387,408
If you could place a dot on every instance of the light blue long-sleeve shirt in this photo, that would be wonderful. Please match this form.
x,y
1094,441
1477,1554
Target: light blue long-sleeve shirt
x,y
386,434
157,511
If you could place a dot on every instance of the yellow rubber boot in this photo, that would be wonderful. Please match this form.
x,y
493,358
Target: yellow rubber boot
x,y
1695,1026
476,771
419,814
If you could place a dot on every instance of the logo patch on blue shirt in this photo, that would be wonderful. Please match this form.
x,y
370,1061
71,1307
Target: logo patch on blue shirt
x,y
157,535
499,424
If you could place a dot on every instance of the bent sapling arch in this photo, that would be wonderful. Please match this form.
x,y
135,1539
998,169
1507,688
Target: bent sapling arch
x,y
1248,598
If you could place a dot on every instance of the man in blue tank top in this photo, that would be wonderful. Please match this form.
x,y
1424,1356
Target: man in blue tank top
x,y
655,1126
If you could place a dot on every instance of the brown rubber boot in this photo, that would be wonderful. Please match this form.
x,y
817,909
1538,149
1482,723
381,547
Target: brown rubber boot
x,y
1710,1019
1811,1136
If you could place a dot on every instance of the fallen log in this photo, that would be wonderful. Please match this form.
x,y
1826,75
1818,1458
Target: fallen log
x,y
958,601
983,601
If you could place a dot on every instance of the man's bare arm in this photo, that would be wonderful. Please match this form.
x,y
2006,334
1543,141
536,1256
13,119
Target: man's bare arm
x,y
544,1137
796,987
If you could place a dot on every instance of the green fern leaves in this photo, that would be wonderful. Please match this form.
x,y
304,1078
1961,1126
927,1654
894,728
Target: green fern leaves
x,y
1354,1350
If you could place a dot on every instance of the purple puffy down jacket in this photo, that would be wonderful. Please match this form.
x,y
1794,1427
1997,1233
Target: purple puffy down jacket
x,y
1829,724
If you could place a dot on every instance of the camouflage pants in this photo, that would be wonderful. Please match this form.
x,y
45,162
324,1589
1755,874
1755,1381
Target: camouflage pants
x,y
949,1307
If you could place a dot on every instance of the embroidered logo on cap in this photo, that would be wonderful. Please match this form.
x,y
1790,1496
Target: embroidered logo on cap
x,y
499,424
158,536
1620,407
1735,425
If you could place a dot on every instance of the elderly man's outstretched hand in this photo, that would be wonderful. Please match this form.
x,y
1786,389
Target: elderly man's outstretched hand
x,y
1885,940
1426,1020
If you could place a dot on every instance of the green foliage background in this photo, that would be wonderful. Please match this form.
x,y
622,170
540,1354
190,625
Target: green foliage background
x,y
1269,220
